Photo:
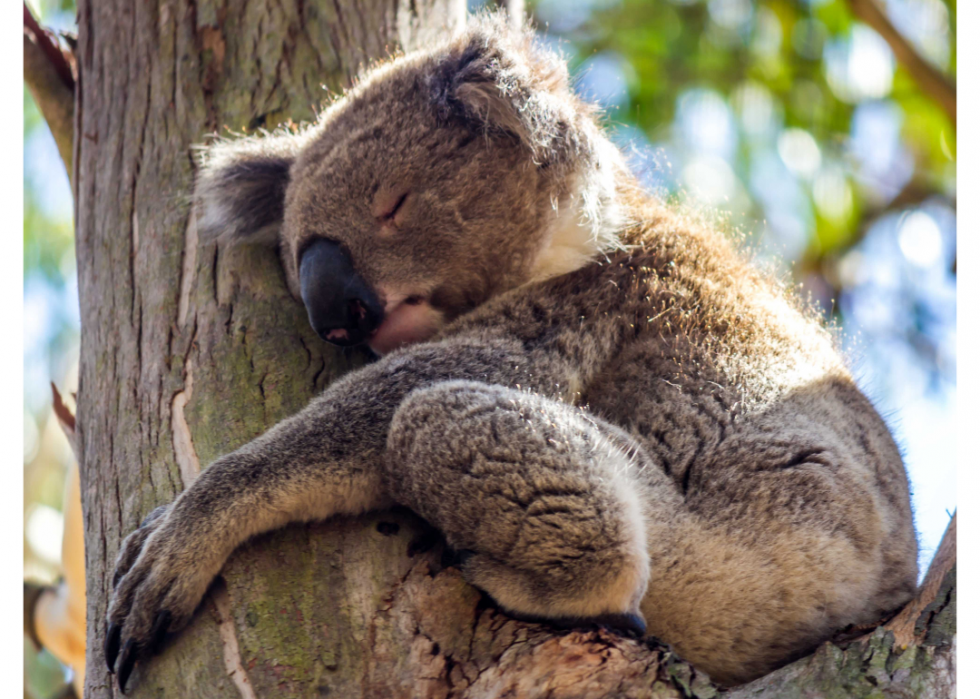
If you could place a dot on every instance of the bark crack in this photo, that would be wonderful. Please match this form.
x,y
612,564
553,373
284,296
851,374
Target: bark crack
x,y
184,451
188,268
229,641
134,185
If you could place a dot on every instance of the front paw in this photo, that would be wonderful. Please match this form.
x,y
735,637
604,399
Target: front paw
x,y
132,545
630,625
627,624
161,576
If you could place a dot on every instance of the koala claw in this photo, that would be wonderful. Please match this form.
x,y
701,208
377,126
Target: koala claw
x,y
111,648
626,623
158,586
126,663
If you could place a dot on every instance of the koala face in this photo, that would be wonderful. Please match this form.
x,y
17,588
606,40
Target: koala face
x,y
441,179
397,220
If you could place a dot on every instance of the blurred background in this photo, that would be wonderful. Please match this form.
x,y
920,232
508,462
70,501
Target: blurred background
x,y
788,121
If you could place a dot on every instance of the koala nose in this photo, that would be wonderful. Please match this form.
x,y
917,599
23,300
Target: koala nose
x,y
342,307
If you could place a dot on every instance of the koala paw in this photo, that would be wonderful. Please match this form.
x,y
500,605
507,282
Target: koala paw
x,y
159,580
132,545
626,624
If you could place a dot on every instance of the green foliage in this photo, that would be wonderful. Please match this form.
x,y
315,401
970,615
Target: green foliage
x,y
781,46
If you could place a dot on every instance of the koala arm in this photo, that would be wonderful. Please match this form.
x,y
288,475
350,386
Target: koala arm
x,y
324,461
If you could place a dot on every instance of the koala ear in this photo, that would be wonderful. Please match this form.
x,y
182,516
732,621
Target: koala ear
x,y
501,80
241,188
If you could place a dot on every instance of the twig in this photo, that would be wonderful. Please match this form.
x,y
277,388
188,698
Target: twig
x,y
927,76
48,75
903,625
66,419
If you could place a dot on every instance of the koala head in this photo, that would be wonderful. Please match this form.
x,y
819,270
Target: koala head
x,y
441,179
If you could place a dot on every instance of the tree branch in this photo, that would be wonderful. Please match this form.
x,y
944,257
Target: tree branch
x,y
928,77
910,625
48,75
913,654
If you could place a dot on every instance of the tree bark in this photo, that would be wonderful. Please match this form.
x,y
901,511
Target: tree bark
x,y
187,352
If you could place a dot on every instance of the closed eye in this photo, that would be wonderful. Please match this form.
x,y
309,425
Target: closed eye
x,y
390,214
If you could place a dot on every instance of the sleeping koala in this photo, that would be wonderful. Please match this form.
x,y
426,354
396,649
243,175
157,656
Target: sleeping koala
x,y
594,397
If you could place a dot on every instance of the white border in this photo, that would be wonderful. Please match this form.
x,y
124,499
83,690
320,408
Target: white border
x,y
967,349
11,351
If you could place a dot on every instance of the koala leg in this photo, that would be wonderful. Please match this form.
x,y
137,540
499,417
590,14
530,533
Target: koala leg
x,y
539,494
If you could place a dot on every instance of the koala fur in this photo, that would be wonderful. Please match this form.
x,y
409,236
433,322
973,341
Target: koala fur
x,y
594,396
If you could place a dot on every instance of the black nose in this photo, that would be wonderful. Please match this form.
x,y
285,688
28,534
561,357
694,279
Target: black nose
x,y
343,308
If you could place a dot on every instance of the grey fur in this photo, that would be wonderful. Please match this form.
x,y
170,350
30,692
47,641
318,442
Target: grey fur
x,y
615,414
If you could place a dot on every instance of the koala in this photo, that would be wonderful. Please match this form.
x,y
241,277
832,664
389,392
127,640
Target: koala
x,y
590,393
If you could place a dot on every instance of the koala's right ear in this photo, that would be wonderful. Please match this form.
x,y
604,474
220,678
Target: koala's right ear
x,y
501,79
241,187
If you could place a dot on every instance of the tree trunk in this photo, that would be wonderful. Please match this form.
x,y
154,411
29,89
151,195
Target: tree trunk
x,y
188,352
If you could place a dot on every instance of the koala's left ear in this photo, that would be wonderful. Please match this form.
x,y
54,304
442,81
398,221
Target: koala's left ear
x,y
501,80
241,188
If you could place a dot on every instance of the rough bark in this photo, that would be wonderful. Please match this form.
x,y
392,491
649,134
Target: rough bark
x,y
188,352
